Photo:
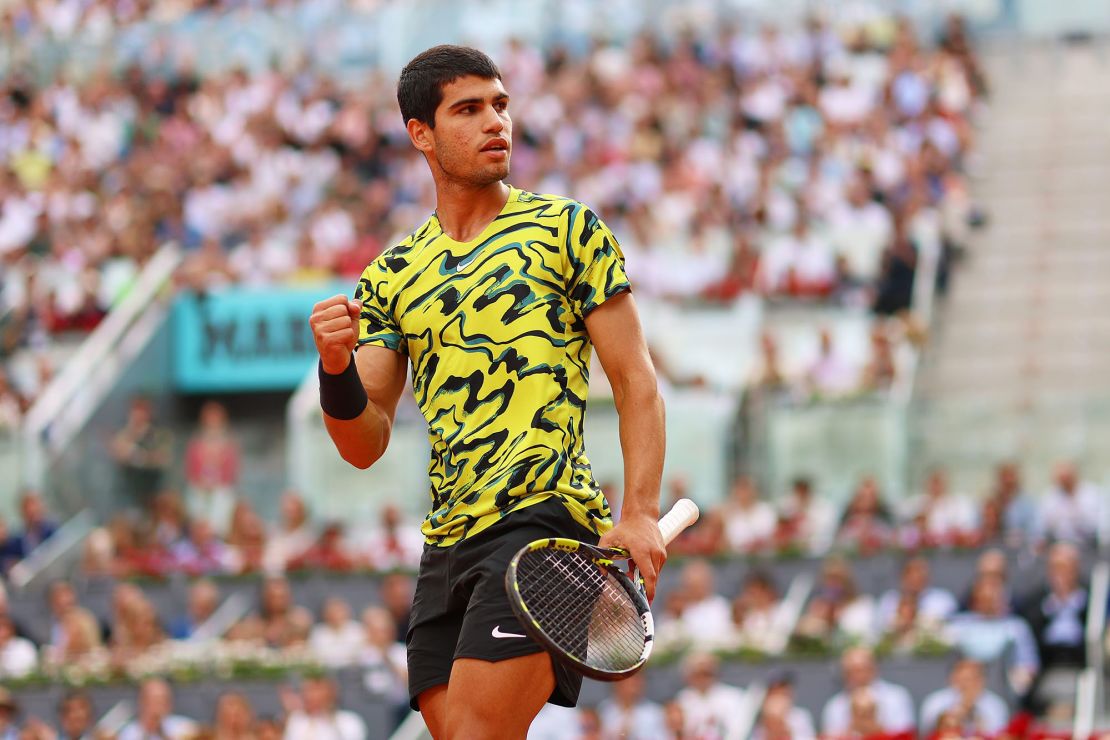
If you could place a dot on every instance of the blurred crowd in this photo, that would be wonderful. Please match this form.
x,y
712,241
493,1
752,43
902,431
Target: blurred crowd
x,y
1034,628
803,520
815,163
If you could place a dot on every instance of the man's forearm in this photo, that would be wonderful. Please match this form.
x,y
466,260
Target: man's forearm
x,y
363,439
643,443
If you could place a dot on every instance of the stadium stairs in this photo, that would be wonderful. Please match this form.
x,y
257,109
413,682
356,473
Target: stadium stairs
x,y
1020,364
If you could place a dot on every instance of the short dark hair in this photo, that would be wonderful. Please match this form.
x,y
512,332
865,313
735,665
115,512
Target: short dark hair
x,y
420,88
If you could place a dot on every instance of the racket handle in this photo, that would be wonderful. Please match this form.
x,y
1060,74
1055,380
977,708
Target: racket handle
x,y
682,515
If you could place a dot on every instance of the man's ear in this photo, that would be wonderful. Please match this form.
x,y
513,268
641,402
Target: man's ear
x,y
420,134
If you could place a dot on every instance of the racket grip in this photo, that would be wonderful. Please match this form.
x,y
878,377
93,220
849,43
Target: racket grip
x,y
682,515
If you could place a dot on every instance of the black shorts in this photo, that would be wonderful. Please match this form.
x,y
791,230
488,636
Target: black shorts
x,y
461,610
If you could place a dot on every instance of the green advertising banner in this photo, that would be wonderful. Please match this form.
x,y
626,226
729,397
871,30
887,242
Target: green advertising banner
x,y
245,339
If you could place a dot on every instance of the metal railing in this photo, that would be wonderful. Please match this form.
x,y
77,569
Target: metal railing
x,y
75,393
53,556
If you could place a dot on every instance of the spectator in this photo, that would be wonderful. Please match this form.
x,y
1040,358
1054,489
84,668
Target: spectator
x,y
1019,513
202,553
247,538
705,616
37,527
337,639
142,451
204,599
293,536
168,521
234,717
627,714
837,607
18,656
988,630
893,706
279,622
212,468
76,717
383,660
932,605
992,563
800,264
708,706
973,710
881,369
947,519
394,543
314,716
329,552
805,520
395,591
866,523
155,716
860,229
749,523
780,717
1071,510
756,617
830,375
135,627
1057,615
74,631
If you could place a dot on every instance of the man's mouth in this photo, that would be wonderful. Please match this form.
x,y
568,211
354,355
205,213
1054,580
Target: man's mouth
x,y
496,145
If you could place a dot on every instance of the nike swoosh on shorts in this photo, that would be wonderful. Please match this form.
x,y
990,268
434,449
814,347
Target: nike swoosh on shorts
x,y
499,634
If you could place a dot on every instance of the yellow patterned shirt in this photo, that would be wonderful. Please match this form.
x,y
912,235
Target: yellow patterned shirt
x,y
495,332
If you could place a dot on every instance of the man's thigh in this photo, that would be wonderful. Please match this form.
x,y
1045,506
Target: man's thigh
x,y
496,699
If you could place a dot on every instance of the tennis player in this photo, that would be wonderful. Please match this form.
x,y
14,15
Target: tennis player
x,y
496,301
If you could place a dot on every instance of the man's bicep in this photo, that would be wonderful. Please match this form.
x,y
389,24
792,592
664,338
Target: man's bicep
x,y
382,372
615,331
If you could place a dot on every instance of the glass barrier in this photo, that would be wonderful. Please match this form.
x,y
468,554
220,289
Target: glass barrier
x,y
835,444
10,464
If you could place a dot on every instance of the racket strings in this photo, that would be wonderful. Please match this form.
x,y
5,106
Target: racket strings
x,y
581,607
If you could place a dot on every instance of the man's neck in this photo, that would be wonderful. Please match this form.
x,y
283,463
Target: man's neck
x,y
464,211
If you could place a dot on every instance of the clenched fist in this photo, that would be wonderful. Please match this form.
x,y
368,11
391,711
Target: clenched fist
x,y
334,323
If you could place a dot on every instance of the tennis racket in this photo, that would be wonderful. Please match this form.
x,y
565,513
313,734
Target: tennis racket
x,y
588,612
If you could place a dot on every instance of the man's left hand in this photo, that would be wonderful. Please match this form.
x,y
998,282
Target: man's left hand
x,y
639,534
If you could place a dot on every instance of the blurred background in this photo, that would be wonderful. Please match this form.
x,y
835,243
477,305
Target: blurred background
x,y
869,244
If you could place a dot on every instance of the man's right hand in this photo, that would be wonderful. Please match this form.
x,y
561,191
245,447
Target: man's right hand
x,y
334,323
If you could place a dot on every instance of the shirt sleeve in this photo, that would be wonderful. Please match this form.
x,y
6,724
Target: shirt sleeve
x,y
596,263
377,323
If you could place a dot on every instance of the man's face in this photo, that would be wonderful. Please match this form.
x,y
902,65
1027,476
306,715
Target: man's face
x,y
472,139
76,717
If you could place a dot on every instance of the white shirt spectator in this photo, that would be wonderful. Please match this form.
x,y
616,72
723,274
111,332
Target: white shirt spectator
x,y
810,258
861,234
644,721
385,671
1072,518
947,516
174,727
991,712
746,528
342,725
707,622
336,647
283,546
817,524
710,714
893,702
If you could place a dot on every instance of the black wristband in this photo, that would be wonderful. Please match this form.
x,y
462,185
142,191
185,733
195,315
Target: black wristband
x,y
342,396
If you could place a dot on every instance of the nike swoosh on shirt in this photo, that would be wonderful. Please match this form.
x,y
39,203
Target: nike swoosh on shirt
x,y
499,634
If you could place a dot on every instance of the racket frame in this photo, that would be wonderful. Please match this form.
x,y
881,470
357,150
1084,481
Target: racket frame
x,y
602,557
